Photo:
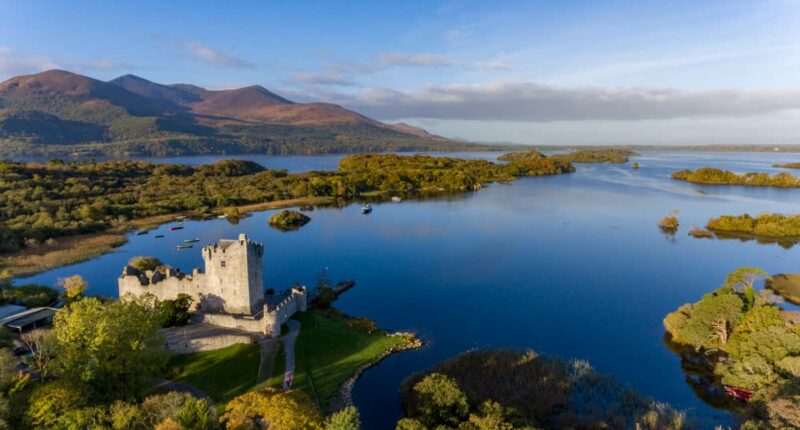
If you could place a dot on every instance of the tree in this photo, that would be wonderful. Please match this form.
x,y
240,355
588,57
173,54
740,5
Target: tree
x,y
113,349
744,278
289,410
438,400
49,403
8,368
74,287
346,419
42,345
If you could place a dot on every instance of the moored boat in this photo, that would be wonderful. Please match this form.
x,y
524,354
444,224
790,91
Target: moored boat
x,y
159,236
181,247
396,199
176,228
366,209
191,240
142,233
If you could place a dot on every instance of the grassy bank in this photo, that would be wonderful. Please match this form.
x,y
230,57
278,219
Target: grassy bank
x,y
327,353
223,373
65,251
787,286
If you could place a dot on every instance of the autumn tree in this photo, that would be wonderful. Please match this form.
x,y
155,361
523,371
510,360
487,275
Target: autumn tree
x,y
42,345
74,287
112,348
289,410
437,400
346,419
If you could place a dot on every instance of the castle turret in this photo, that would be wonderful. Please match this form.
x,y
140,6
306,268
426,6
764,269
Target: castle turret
x,y
234,276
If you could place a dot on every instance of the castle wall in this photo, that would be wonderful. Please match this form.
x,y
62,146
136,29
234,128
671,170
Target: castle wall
x,y
167,288
254,325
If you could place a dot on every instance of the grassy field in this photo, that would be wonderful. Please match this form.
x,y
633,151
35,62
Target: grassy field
x,y
65,250
223,373
787,286
327,354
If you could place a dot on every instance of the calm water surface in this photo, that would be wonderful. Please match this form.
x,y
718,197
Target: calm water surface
x,y
572,265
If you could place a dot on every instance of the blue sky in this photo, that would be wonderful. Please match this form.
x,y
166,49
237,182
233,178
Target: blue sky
x,y
533,72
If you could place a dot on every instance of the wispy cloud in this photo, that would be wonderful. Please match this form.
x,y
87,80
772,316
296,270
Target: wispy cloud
x,y
215,57
345,73
531,102
12,64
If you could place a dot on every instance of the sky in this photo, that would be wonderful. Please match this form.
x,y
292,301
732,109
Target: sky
x,y
534,72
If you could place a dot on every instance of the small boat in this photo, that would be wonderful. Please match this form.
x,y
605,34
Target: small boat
x,y
180,217
742,394
142,233
366,209
191,240
223,216
180,247
396,199
159,236
176,228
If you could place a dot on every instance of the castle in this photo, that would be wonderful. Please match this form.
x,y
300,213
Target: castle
x,y
230,293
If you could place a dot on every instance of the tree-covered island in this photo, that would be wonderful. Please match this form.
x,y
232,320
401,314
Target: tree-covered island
x,y
765,225
287,220
742,351
80,210
617,156
711,176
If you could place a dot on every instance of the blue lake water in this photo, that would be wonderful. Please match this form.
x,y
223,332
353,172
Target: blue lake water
x,y
572,265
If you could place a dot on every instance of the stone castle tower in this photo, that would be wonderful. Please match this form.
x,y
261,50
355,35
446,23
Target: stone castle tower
x,y
230,293
234,277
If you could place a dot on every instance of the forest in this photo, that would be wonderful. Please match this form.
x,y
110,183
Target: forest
x,y
766,225
40,202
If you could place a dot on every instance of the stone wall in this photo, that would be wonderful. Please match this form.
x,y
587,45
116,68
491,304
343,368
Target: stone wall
x,y
251,324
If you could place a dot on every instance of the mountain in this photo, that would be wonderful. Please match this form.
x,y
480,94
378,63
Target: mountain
x,y
62,113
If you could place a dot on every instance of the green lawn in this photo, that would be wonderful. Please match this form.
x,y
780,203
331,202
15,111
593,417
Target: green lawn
x,y
223,373
327,354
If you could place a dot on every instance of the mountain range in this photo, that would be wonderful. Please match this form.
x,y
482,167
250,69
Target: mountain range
x,y
66,114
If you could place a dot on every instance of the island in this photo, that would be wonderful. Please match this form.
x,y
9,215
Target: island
x,y
614,155
287,220
669,224
741,351
774,225
786,285
89,206
712,176
787,165
520,389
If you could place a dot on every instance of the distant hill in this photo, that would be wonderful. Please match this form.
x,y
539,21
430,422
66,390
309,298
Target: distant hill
x,y
59,113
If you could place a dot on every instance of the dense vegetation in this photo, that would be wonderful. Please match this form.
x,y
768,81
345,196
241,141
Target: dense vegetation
x,y
580,156
513,389
617,156
42,202
740,338
287,220
766,225
25,295
707,175
669,224
788,165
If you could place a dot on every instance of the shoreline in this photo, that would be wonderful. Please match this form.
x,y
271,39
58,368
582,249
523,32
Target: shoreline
x,y
344,394
75,249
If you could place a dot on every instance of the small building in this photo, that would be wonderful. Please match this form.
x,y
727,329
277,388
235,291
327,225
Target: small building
x,y
29,319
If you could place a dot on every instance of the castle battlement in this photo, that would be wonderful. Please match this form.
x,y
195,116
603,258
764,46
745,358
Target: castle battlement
x,y
230,292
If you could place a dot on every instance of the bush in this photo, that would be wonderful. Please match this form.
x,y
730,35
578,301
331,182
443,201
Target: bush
x,y
174,312
145,263
361,324
668,224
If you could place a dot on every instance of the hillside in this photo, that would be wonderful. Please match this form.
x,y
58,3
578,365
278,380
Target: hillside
x,y
59,113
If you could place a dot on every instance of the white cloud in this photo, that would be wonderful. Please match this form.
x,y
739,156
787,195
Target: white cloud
x,y
529,102
397,59
215,57
12,64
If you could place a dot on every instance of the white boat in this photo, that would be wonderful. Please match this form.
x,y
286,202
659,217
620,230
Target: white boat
x,y
396,199
366,209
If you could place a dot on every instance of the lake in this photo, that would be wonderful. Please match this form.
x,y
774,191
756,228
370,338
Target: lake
x,y
572,265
